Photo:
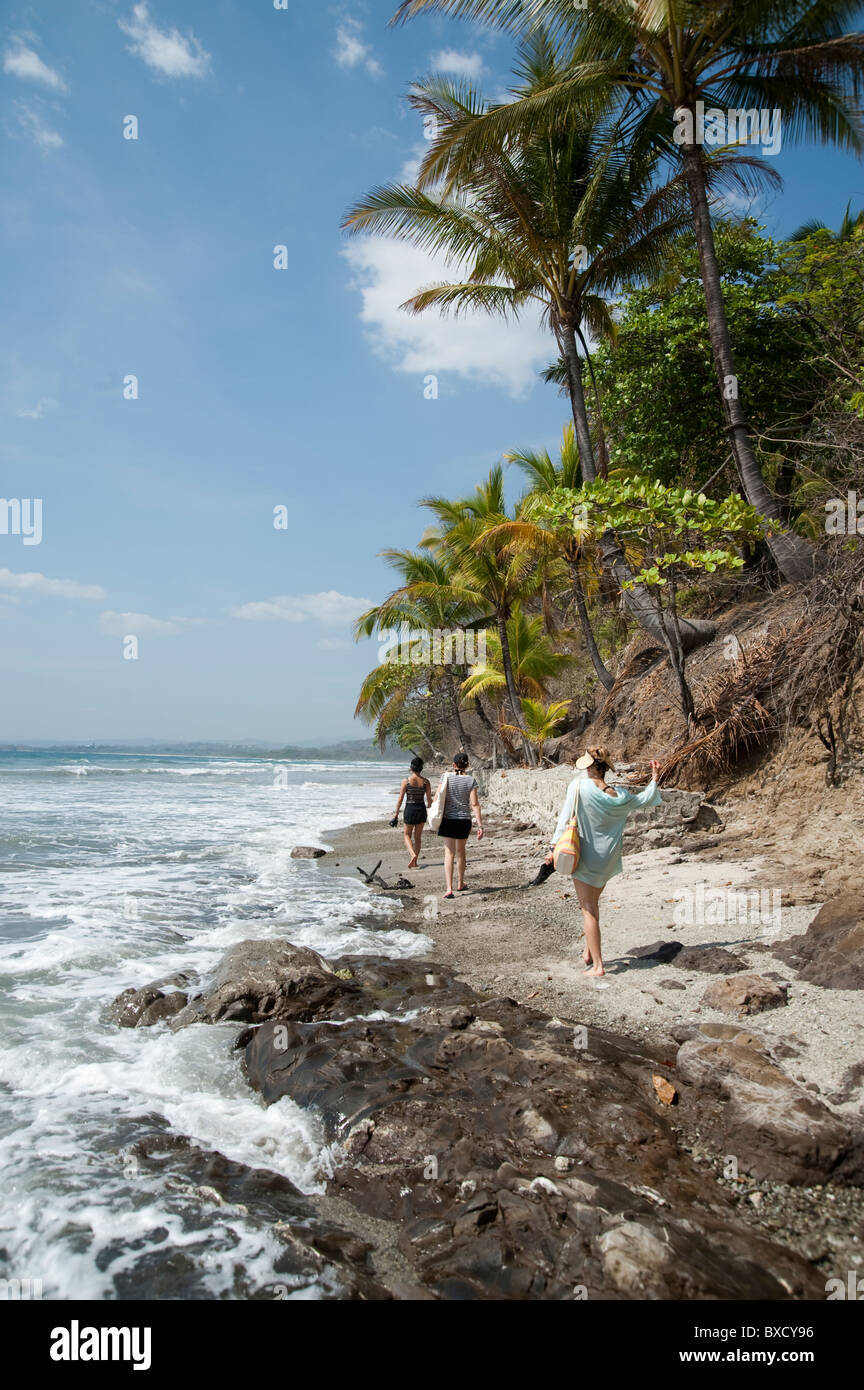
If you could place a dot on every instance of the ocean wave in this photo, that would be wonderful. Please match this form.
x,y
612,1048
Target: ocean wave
x,y
132,874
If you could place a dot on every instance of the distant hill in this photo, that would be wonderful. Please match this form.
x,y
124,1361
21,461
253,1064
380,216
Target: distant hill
x,y
349,750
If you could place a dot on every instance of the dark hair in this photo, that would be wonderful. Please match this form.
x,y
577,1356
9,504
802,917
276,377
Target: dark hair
x,y
416,764
460,760
602,760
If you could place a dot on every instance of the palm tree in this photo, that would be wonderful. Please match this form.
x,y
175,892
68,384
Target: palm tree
x,y
659,59
541,720
560,220
535,658
384,695
845,232
486,575
426,602
409,732
574,546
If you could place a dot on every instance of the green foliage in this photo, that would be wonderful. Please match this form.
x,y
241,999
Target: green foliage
x,y
674,531
554,196
661,407
823,285
536,658
542,721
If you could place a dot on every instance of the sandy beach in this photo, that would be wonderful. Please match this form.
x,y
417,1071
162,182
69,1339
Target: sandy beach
x,y
506,938
503,936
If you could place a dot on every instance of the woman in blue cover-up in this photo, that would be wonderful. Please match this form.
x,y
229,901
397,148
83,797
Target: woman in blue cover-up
x,y
601,817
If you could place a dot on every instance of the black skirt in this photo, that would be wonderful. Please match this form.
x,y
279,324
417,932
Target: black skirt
x,y
451,829
414,815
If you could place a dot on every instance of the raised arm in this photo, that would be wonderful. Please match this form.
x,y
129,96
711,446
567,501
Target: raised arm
x,y
650,795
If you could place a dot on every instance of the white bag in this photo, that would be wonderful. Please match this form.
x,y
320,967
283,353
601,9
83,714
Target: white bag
x,y
436,810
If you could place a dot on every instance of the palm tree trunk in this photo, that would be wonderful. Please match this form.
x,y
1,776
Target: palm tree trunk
x,y
793,555
566,336
457,714
491,729
512,693
693,631
483,716
607,680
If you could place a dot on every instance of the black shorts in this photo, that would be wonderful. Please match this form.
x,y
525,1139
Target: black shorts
x,y
450,829
414,815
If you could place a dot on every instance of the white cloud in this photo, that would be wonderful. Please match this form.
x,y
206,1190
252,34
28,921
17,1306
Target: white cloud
x,y
135,624
164,50
460,64
35,412
352,52
25,63
42,134
49,588
478,347
331,608
737,202
410,171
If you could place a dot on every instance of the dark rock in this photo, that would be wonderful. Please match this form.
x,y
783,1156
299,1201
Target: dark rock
x,y
744,994
267,979
458,1124
166,1006
662,951
671,984
127,1008
850,1082
509,1160
141,1008
712,960
307,852
683,1032
776,1129
831,951
706,818
312,1244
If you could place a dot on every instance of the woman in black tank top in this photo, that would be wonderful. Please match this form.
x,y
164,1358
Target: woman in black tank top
x,y
417,795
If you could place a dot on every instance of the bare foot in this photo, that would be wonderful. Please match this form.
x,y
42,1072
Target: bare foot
x,y
412,863
594,970
586,956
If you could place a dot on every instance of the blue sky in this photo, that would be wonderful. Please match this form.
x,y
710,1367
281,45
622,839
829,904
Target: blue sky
x,y
258,388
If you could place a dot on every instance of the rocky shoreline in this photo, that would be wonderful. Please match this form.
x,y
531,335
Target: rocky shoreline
x,y
484,1148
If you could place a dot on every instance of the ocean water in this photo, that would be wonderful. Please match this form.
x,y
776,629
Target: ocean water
x,y
116,870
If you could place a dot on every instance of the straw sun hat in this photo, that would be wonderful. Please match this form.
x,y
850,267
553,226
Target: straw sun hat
x,y
593,755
